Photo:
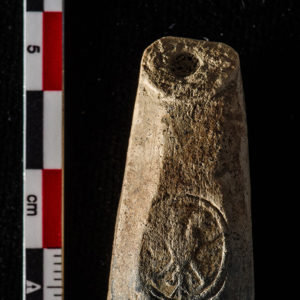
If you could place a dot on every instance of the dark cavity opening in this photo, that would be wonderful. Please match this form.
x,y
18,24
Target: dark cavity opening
x,y
183,64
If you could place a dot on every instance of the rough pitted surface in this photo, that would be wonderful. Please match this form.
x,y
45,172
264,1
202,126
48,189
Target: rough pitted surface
x,y
184,225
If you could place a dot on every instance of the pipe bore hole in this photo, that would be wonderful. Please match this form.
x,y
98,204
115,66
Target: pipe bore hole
x,y
183,64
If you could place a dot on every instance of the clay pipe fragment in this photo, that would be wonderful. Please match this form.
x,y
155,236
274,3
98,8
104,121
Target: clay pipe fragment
x,y
183,228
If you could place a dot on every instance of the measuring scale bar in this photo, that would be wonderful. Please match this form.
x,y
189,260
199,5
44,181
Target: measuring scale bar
x,y
43,150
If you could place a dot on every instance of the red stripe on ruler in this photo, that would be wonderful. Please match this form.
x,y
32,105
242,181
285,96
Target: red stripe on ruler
x,y
52,51
52,210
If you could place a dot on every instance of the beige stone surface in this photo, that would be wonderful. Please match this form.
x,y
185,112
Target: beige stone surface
x,y
183,228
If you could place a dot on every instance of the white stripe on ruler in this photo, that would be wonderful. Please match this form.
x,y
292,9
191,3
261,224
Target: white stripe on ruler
x,y
34,50
33,209
52,274
52,130
52,5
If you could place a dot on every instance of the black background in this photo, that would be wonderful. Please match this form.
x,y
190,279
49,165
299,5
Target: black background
x,y
104,42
